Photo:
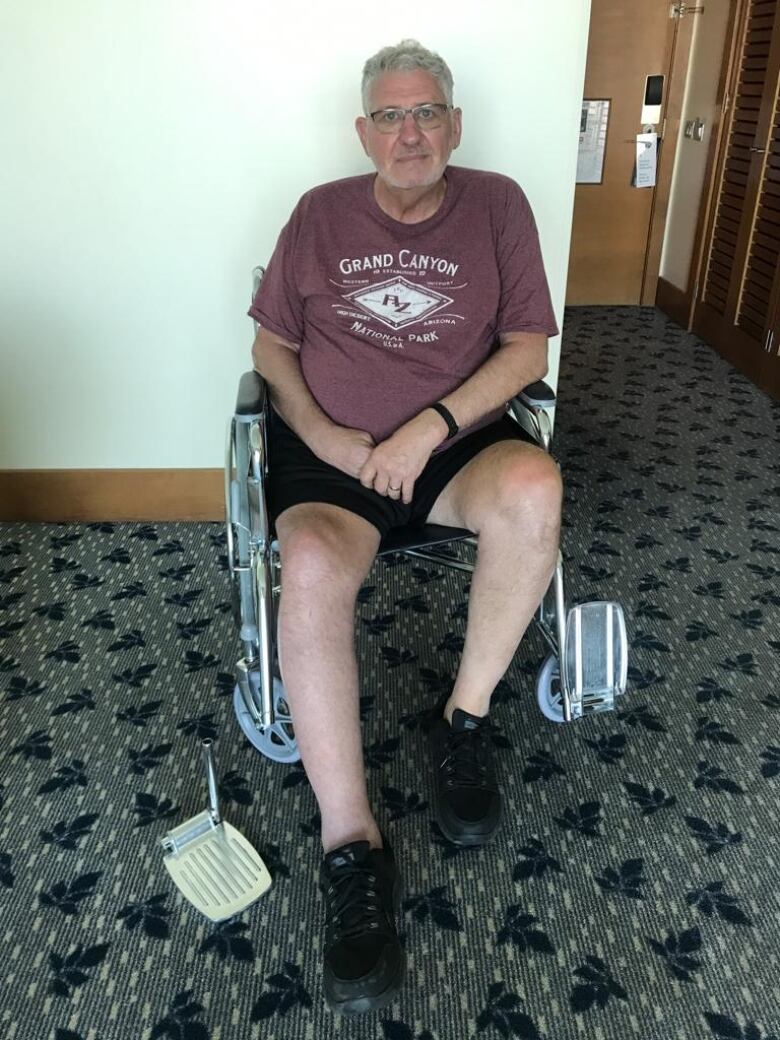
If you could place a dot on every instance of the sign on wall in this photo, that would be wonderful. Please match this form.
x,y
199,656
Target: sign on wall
x,y
593,139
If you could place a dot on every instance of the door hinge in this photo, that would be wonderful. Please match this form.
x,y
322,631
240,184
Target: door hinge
x,y
680,10
770,336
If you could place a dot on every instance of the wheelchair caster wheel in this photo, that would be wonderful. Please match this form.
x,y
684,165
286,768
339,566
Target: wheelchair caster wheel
x,y
548,689
278,741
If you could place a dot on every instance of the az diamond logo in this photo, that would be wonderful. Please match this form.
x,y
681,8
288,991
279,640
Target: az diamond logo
x,y
398,303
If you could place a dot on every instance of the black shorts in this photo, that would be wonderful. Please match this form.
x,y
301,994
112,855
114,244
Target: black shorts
x,y
296,474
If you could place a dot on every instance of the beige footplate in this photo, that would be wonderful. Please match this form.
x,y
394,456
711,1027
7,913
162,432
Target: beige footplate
x,y
212,863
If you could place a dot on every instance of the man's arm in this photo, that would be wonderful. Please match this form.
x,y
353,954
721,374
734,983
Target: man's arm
x,y
276,359
520,360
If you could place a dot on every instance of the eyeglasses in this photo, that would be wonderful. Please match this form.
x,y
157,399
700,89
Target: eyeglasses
x,y
427,117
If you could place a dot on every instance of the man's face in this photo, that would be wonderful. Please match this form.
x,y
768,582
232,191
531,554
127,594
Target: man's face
x,y
411,158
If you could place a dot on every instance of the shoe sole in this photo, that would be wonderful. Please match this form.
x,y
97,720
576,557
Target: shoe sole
x,y
360,1005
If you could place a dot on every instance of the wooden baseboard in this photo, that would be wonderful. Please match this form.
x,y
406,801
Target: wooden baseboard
x,y
674,302
112,494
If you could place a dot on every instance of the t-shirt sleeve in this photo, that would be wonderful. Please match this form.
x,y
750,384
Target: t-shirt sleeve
x,y
278,304
525,304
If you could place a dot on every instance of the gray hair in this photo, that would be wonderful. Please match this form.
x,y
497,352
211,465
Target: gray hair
x,y
406,56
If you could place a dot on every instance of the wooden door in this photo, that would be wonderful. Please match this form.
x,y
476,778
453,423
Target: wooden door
x,y
738,290
611,232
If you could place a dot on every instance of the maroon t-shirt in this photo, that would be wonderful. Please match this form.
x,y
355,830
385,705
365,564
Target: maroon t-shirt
x,y
390,317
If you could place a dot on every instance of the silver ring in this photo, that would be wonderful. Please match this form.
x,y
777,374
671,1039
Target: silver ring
x,y
391,488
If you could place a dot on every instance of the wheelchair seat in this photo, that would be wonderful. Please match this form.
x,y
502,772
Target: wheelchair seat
x,y
404,539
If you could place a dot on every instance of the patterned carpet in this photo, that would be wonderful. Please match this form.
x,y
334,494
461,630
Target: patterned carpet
x,y
633,890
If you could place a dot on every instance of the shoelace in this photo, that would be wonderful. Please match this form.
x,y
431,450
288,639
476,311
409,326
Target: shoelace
x,y
356,905
467,762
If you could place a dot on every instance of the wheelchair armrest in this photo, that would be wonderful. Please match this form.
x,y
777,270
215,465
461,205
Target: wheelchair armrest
x,y
252,394
529,409
536,395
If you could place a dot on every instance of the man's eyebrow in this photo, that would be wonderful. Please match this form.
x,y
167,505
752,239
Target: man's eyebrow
x,y
417,104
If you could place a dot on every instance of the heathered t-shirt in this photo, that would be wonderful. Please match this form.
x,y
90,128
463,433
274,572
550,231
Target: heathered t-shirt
x,y
390,317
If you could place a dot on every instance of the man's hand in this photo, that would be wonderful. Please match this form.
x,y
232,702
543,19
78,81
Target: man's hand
x,y
346,448
397,462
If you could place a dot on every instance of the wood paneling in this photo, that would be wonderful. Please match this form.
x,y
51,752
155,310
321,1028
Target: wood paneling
x,y
737,308
125,494
754,309
734,209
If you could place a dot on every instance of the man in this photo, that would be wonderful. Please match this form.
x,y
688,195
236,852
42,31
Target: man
x,y
379,314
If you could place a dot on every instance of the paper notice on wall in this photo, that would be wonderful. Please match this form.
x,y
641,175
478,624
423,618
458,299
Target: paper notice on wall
x,y
593,137
646,160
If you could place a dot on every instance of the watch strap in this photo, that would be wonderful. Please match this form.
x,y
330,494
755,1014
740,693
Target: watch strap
x,y
452,426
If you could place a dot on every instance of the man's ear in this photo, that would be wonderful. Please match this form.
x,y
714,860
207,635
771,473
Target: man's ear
x,y
457,127
360,126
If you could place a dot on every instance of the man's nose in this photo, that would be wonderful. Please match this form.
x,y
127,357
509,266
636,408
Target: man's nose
x,y
409,131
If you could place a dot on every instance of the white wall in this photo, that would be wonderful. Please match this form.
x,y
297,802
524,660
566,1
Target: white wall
x,y
154,149
701,90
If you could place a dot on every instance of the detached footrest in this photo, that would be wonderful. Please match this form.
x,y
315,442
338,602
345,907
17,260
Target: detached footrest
x,y
215,867
212,863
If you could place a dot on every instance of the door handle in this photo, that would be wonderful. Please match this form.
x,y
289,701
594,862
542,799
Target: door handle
x,y
759,150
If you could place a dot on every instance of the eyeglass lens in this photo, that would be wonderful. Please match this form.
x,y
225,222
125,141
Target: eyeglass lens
x,y
427,117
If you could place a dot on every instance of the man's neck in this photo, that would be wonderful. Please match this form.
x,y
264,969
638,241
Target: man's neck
x,y
410,205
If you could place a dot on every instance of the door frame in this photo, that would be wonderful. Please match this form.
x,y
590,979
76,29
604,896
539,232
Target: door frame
x,y
678,304
717,156
678,52
681,304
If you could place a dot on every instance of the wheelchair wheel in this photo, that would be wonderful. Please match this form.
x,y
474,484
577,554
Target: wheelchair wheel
x,y
278,741
548,689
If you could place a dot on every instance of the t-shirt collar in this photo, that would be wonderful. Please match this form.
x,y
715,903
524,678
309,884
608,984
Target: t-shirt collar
x,y
421,226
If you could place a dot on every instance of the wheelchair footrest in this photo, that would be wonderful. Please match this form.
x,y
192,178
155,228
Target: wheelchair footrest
x,y
594,661
212,863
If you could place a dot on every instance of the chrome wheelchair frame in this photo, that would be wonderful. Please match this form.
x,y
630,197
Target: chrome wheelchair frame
x,y
255,566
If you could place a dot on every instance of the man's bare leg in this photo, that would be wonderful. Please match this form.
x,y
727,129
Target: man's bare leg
x,y
510,496
515,561
326,553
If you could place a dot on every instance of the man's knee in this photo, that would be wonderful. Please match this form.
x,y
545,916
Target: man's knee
x,y
326,544
531,486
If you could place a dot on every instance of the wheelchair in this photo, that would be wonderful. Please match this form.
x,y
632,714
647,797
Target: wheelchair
x,y
586,666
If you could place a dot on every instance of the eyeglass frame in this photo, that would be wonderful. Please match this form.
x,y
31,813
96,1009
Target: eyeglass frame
x,y
410,111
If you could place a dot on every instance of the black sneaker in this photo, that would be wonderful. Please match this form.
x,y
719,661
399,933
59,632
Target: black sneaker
x,y
467,801
365,963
